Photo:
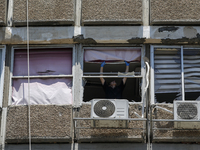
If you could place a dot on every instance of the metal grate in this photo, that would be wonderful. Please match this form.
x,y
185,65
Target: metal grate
x,y
187,111
104,108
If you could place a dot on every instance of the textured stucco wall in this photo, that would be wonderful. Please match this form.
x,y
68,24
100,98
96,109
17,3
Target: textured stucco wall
x,y
111,135
175,11
105,11
44,10
171,135
3,11
47,122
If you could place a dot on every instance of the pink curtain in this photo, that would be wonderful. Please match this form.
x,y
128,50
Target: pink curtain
x,y
46,90
43,62
114,55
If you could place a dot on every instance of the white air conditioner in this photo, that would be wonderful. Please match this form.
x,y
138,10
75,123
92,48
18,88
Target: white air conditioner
x,y
187,110
110,109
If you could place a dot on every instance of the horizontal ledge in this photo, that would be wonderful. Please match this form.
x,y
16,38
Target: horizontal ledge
x,y
132,119
172,120
112,76
86,73
45,76
181,129
108,128
138,138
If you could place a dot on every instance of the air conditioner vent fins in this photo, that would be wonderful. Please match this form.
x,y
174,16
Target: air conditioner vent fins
x,y
187,111
104,108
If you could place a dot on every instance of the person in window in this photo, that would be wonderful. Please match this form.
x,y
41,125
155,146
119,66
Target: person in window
x,y
112,90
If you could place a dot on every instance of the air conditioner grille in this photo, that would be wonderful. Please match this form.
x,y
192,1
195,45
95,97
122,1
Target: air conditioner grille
x,y
104,108
187,111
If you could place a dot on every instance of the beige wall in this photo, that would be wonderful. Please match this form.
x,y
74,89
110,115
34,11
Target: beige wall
x,y
111,11
48,122
3,4
50,11
175,12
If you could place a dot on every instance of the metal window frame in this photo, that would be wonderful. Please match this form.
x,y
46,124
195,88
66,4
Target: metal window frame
x,y
2,68
41,76
143,67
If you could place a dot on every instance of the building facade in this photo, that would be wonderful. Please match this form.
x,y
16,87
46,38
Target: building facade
x,y
50,57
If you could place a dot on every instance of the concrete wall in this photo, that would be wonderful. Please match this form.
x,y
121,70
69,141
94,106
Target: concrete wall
x,y
175,12
111,135
53,12
3,6
49,123
171,135
111,11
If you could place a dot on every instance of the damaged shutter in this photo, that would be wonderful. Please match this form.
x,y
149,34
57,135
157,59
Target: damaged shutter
x,y
167,74
192,73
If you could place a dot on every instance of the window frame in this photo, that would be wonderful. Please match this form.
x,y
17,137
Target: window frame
x,y
41,76
141,76
152,83
2,67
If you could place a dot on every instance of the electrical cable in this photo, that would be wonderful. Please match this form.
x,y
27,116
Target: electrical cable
x,y
29,118
147,84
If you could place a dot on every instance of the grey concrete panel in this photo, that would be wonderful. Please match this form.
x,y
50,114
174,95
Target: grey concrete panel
x,y
38,35
38,146
112,34
102,34
111,11
175,12
46,12
174,34
49,123
3,5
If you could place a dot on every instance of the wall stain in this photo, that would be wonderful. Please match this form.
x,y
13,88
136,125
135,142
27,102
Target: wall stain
x,y
80,39
136,40
168,29
184,40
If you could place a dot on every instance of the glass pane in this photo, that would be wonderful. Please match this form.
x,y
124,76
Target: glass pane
x,y
42,91
192,74
167,75
43,62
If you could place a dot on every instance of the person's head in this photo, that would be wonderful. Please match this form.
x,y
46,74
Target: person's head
x,y
113,83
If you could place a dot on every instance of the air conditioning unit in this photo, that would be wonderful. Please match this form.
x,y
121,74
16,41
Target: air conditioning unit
x,y
187,110
113,109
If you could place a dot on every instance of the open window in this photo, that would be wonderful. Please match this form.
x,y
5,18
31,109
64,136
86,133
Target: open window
x,y
176,73
2,64
114,69
50,73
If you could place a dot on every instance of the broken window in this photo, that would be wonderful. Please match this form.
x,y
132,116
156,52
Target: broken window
x,y
167,74
191,64
114,69
50,72
176,74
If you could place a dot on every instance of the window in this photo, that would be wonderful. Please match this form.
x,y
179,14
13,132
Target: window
x,y
176,73
50,76
2,64
114,69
